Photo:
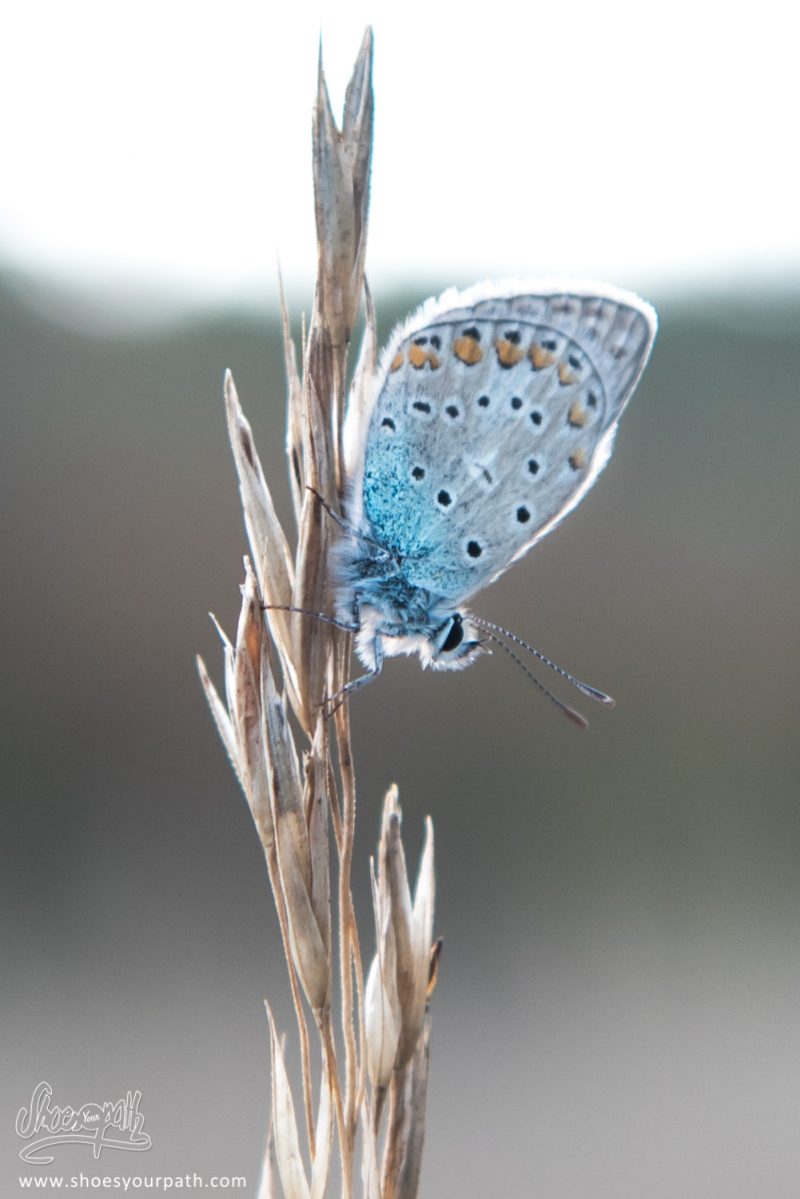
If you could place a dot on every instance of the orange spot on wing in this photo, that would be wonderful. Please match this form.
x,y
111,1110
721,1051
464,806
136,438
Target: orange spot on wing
x,y
540,358
577,415
508,354
577,460
467,350
565,375
397,361
417,356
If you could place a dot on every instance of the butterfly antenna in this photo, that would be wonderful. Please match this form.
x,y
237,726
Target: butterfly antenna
x,y
570,713
340,624
584,688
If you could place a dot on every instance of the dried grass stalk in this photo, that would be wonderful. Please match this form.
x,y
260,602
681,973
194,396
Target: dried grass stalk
x,y
278,672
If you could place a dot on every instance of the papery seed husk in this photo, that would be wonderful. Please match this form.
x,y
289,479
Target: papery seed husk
x,y
405,947
315,804
415,1099
287,1141
222,721
268,545
382,1020
293,849
324,1135
294,410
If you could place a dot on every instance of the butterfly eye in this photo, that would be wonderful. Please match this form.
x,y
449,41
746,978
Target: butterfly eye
x,y
454,637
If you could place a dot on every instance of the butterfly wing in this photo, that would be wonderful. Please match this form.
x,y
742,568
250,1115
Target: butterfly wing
x,y
494,412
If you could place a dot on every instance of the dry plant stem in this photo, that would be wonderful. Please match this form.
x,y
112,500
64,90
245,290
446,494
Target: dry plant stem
x,y
347,921
341,189
284,663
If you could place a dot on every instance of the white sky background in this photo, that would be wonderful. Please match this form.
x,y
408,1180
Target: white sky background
x,y
164,144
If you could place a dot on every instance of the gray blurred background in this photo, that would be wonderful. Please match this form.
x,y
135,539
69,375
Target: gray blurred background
x,y
618,1006
618,1013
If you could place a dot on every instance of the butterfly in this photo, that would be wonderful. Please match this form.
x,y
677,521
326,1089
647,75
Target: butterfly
x,y
492,413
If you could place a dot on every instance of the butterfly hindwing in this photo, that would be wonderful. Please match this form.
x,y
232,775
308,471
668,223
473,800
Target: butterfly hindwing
x,y
494,414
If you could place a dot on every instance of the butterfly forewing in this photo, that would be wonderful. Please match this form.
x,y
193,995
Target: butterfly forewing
x,y
491,421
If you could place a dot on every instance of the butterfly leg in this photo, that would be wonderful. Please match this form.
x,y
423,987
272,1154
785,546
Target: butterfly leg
x,y
351,530
332,702
339,520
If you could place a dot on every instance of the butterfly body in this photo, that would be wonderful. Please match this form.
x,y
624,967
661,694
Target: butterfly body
x,y
393,616
492,414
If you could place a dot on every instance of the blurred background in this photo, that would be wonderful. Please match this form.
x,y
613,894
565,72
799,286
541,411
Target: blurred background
x,y
618,1011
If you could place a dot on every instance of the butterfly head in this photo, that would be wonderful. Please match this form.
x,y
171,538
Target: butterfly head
x,y
454,644
443,639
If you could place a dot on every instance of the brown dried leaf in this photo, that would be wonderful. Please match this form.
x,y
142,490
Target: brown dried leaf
x,y
411,924
395,867
324,1135
268,544
294,409
312,646
268,1185
370,1176
341,193
222,721
310,953
381,1005
251,646
361,389
414,1103
316,804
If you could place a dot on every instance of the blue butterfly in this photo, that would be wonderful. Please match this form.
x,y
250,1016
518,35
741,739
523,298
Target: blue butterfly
x,y
493,412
